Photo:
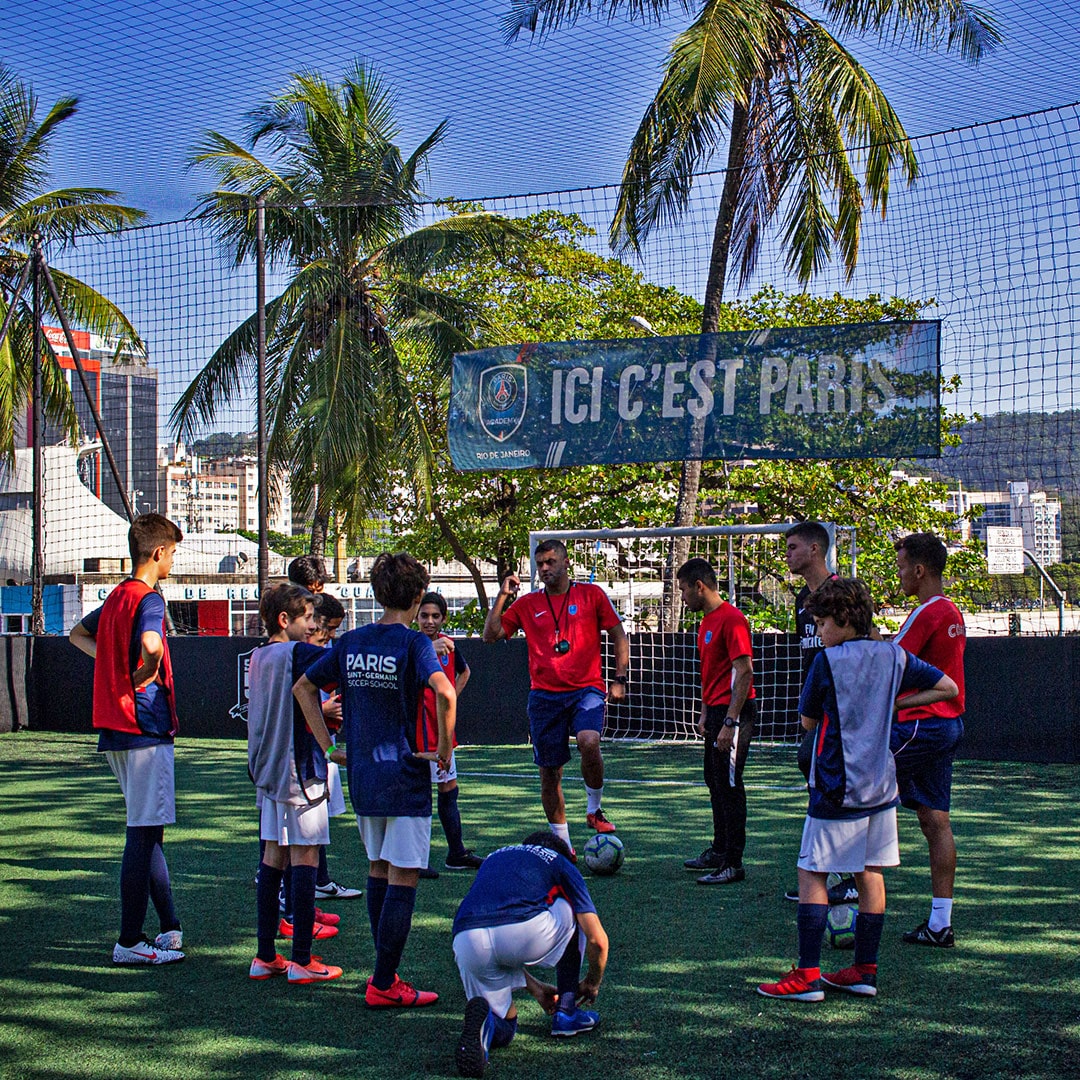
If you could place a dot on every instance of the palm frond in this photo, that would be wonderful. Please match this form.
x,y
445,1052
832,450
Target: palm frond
x,y
543,17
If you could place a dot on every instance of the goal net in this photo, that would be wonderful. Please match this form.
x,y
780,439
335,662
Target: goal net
x,y
637,567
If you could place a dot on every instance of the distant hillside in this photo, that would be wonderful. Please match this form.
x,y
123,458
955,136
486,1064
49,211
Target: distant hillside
x,y
1042,448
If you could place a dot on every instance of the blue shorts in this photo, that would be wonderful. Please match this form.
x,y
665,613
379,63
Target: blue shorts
x,y
553,717
923,751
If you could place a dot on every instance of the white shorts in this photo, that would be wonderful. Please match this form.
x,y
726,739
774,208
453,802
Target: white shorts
x,y
289,825
334,795
438,776
404,842
492,959
849,845
145,776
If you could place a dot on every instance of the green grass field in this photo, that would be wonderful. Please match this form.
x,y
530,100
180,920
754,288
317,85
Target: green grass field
x,y
678,1000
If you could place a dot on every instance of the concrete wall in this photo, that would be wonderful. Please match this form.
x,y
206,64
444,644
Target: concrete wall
x,y
1023,693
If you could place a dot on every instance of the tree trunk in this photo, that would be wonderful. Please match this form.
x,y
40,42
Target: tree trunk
x,y
320,530
462,557
690,478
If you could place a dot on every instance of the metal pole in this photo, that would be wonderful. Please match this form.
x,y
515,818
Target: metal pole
x,y
14,303
94,411
37,569
260,365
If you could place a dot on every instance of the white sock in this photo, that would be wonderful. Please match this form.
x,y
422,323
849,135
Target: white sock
x,y
595,795
940,913
562,832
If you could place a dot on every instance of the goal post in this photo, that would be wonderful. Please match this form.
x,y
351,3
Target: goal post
x,y
633,566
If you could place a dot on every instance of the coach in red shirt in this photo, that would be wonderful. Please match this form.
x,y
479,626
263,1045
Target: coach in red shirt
x,y
728,718
924,739
562,624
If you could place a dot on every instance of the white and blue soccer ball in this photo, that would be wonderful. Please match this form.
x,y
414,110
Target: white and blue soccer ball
x,y
840,926
604,854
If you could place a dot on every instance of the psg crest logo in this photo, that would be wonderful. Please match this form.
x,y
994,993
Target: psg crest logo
x,y
503,399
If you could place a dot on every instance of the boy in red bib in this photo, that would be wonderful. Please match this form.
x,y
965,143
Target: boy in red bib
x,y
135,715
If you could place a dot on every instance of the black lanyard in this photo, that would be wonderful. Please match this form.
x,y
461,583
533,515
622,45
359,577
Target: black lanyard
x,y
556,619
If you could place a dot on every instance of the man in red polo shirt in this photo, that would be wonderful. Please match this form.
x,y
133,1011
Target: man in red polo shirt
x,y
562,624
924,739
728,718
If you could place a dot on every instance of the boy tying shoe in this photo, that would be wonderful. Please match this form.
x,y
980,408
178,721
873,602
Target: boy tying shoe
x,y
849,699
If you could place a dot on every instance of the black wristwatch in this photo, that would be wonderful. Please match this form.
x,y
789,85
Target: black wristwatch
x,y
624,679
730,722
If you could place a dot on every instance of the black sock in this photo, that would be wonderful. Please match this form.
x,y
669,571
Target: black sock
x,y
376,895
267,908
324,870
505,1030
135,881
450,817
303,894
811,922
161,888
868,937
394,925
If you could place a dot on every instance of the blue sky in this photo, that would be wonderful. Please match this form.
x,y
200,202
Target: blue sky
x,y
533,116
559,114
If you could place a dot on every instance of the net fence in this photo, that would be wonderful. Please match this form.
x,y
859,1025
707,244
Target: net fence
x,y
990,233
636,568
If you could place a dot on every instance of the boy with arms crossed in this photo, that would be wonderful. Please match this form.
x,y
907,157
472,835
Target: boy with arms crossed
x,y
925,737
848,699
430,619
135,715
529,906
287,763
381,669
727,721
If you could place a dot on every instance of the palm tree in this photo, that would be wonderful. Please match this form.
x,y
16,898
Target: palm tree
x,y
56,218
811,138
357,313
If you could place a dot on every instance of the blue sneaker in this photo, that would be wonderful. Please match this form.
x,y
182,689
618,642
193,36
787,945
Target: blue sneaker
x,y
564,1023
476,1032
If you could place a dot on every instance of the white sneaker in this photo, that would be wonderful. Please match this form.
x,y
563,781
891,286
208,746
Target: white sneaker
x,y
144,953
336,891
170,940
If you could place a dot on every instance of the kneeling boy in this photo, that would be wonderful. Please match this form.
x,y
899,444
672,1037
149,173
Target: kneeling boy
x,y
528,906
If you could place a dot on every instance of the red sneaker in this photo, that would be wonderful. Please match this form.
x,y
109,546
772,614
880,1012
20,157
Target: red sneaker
x,y
327,918
860,979
799,984
264,969
319,932
599,822
400,996
314,971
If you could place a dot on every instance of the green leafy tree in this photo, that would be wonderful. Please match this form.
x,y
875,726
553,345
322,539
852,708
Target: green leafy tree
x,y
812,141
554,288
549,288
57,217
344,223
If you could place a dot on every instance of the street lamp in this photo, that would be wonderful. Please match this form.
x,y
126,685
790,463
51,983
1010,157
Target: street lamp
x,y
643,324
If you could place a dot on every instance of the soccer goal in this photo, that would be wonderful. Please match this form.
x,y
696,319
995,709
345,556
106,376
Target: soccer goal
x,y
637,567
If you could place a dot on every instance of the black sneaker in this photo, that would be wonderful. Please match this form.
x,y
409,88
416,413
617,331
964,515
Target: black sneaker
x,y
792,894
726,875
843,892
427,874
923,935
465,861
709,859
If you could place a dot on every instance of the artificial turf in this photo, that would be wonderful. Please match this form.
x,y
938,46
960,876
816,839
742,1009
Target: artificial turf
x,y
678,1000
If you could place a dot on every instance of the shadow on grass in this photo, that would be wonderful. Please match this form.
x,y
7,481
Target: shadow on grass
x,y
679,997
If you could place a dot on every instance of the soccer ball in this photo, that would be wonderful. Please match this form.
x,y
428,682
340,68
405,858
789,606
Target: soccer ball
x,y
604,854
840,926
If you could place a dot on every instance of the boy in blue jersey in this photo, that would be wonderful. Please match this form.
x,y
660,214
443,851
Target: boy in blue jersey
x,y
849,699
380,670
287,762
528,906
135,715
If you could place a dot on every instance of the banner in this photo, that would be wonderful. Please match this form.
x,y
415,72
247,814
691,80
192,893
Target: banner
x,y
860,390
